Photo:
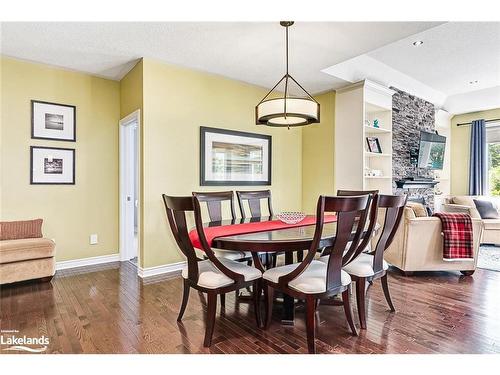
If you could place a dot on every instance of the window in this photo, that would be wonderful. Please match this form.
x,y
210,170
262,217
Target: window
x,y
493,143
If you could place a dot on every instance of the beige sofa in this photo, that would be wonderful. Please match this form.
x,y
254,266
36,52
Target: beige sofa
x,y
465,203
25,258
418,246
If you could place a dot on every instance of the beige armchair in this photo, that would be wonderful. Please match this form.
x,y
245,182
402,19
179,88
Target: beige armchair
x,y
418,246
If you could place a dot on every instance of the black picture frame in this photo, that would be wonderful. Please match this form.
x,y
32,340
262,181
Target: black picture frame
x,y
373,145
32,182
204,182
33,136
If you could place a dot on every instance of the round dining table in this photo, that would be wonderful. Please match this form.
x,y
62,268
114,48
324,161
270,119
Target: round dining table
x,y
286,240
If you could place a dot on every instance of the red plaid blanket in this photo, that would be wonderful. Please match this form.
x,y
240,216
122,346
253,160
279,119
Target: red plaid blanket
x,y
457,232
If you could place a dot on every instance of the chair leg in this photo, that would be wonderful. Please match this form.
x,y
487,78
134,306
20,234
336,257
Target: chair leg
x,y
360,300
269,299
185,298
223,300
348,311
300,255
387,295
211,309
275,259
257,289
310,323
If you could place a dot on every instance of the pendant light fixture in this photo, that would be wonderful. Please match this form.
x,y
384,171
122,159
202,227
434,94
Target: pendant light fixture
x,y
285,110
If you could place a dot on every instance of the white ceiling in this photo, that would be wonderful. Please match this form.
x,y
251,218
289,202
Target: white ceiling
x,y
453,54
250,52
440,70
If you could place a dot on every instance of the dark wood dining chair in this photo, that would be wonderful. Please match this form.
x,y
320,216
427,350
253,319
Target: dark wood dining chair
x,y
214,202
254,199
351,251
212,276
372,217
312,280
372,266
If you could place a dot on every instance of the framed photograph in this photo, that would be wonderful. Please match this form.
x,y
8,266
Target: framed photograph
x,y
373,145
234,158
52,166
53,121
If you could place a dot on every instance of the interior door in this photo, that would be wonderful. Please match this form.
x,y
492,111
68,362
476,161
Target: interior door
x,y
128,196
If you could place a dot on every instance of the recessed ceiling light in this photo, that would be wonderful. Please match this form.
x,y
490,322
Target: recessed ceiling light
x,y
473,82
418,43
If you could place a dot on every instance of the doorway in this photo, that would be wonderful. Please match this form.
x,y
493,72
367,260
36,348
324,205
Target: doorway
x,y
129,187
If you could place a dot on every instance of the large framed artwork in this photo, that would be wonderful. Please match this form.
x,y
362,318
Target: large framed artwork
x,y
53,121
234,158
52,166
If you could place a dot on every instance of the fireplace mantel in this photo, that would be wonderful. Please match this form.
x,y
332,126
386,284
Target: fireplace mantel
x,y
415,184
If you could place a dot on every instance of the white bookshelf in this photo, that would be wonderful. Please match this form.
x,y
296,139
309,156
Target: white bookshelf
x,y
443,127
376,155
375,131
357,104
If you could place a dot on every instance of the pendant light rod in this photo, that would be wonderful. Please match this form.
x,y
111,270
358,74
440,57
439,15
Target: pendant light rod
x,y
286,73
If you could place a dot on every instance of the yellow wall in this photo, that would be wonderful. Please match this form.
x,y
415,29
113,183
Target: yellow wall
x,y
177,102
70,212
460,148
131,97
317,155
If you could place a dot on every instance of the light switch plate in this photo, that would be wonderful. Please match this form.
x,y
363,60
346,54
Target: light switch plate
x,y
93,239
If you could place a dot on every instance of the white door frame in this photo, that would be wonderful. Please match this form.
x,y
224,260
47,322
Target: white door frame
x,y
126,210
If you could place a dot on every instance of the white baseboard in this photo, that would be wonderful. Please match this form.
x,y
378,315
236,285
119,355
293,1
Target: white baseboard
x,y
66,264
167,269
172,269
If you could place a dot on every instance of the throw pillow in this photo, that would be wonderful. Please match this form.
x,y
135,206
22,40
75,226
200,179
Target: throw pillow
x,y
15,230
418,209
486,209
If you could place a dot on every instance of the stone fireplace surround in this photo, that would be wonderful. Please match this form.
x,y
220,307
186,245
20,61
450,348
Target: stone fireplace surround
x,y
410,115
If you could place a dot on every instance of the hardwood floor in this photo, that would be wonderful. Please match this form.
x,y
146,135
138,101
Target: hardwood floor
x,y
109,309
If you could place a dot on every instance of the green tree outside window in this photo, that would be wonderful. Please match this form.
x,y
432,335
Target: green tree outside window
x,y
494,166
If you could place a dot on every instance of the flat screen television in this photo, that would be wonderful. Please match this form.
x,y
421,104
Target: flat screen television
x,y
431,151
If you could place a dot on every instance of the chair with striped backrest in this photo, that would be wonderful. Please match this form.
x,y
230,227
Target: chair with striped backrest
x,y
212,276
372,266
312,280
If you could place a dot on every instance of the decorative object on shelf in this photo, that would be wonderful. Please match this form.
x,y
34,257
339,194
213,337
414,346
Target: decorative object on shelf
x,y
373,145
52,166
230,158
291,217
373,172
367,123
287,110
375,123
53,121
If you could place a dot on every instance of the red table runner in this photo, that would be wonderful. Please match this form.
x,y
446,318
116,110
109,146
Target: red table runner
x,y
245,228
